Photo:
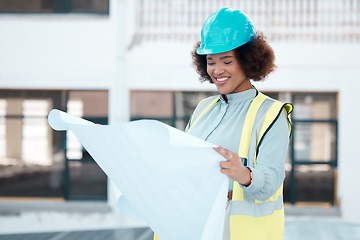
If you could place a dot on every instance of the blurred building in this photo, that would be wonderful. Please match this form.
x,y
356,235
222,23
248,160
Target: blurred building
x,y
114,60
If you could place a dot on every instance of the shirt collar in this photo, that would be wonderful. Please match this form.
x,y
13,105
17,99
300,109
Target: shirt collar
x,y
240,96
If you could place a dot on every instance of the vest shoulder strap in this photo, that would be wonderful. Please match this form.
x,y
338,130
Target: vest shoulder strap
x,y
249,124
271,116
192,123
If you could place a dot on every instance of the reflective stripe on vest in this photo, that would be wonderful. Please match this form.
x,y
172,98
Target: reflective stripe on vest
x,y
257,210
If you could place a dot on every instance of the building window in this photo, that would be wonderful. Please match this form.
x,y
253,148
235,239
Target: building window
x,y
83,177
172,108
35,160
28,167
54,6
2,129
311,164
314,148
35,132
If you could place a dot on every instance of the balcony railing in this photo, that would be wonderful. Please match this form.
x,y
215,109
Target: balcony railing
x,y
280,20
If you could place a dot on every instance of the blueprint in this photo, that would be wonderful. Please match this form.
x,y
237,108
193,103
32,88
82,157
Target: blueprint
x,y
161,175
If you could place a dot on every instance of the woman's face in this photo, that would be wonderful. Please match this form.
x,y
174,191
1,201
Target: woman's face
x,y
227,73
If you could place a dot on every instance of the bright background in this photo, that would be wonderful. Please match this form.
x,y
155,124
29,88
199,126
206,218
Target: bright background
x,y
112,61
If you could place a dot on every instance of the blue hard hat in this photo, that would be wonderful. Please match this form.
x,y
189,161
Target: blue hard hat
x,y
224,31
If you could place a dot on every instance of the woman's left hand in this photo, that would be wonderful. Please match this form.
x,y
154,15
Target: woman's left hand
x,y
233,168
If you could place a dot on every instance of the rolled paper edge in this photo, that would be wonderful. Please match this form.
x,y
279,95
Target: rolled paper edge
x,y
55,120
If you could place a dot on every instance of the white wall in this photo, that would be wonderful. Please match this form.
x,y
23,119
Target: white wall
x,y
349,154
56,51
64,51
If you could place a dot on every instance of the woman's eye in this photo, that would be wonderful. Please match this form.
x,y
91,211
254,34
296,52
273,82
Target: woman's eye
x,y
228,62
210,64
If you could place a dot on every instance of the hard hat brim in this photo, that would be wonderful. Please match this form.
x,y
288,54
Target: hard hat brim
x,y
215,50
219,48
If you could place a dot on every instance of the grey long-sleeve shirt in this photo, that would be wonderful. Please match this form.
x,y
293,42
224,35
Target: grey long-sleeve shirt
x,y
222,125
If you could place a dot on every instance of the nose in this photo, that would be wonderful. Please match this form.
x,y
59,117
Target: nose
x,y
218,70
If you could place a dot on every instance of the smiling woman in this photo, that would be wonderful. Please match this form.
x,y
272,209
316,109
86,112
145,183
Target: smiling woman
x,y
251,129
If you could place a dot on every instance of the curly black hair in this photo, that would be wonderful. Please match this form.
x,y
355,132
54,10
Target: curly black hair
x,y
255,57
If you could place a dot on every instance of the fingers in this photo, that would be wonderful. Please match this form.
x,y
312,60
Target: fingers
x,y
224,171
233,167
225,165
229,155
228,169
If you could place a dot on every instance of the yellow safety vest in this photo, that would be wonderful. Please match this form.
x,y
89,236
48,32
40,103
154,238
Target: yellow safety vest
x,y
257,220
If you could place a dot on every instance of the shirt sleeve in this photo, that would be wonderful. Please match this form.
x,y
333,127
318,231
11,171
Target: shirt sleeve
x,y
269,173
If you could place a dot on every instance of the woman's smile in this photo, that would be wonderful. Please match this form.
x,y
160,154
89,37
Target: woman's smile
x,y
221,80
227,73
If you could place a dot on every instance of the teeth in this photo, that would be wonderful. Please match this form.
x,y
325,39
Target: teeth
x,y
221,79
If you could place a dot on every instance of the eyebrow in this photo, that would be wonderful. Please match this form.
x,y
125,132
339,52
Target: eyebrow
x,y
224,57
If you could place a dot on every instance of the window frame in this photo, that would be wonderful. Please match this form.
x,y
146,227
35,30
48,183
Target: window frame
x,y
294,162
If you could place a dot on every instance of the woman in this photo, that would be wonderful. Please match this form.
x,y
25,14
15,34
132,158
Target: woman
x,y
251,130
230,54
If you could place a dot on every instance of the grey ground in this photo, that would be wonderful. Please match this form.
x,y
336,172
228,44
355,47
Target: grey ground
x,y
308,228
